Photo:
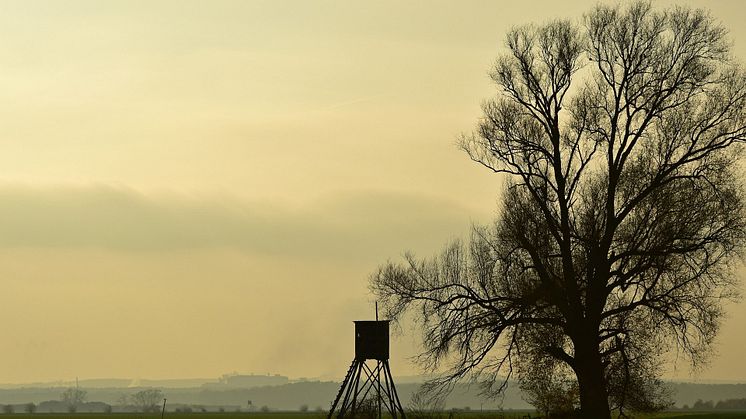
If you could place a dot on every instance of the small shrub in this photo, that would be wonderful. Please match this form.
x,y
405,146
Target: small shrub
x,y
423,407
366,409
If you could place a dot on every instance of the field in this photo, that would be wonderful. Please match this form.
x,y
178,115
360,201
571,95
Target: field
x,y
698,415
292,415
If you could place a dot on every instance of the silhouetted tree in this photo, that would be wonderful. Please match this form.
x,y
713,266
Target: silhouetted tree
x,y
421,407
8,409
73,397
147,400
732,404
700,405
29,408
621,219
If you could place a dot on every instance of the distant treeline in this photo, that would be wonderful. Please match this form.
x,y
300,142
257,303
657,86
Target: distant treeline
x,y
314,395
319,395
729,404
687,394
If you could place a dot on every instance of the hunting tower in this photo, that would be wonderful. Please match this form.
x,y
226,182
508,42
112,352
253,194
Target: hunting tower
x,y
368,386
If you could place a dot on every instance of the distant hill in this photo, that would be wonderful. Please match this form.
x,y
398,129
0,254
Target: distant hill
x,y
238,381
319,394
688,393
314,394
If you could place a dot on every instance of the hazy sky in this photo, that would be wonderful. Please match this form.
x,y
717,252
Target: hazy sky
x,y
189,188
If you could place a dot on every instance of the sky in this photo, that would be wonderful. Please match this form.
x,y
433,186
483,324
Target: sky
x,y
191,188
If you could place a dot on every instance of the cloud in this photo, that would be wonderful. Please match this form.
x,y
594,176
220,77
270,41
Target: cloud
x,y
351,224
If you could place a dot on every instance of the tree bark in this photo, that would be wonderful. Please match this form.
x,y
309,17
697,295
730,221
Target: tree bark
x,y
594,399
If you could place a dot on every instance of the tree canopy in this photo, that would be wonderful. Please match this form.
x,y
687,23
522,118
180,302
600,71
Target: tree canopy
x,y
620,140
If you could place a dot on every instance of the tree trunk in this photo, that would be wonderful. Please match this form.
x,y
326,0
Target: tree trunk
x,y
594,399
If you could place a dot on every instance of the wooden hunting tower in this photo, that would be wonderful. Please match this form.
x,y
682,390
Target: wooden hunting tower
x,y
372,340
376,390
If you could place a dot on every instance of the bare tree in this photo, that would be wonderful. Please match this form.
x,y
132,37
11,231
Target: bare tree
x,y
73,397
622,218
147,400
29,408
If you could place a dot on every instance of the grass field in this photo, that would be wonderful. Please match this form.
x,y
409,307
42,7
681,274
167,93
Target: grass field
x,y
698,415
292,415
